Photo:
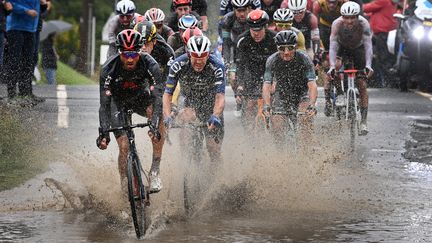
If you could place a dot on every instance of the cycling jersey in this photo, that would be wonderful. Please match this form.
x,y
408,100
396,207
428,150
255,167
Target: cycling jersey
x,y
173,21
175,41
251,58
129,89
270,9
114,27
300,39
226,6
306,28
291,77
231,29
360,36
327,16
162,53
198,88
166,32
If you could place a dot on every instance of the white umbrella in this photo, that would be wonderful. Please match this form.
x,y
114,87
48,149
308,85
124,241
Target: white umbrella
x,y
53,26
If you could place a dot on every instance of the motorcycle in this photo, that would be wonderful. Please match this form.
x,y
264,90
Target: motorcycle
x,y
412,43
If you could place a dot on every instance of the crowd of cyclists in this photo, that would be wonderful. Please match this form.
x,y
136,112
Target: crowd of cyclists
x,y
165,69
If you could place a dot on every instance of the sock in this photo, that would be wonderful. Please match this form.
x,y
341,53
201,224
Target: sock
x,y
363,112
155,164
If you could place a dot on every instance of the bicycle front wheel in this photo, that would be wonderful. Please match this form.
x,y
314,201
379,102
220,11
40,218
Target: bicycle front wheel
x,y
352,119
137,197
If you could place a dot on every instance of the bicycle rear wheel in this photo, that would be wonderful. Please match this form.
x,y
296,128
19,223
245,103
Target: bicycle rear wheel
x,y
137,197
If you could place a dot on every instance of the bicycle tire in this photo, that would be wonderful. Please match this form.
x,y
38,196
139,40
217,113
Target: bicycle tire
x,y
137,202
352,120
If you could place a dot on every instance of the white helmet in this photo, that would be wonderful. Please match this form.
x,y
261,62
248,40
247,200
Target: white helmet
x,y
350,9
297,5
198,45
240,3
125,7
154,15
283,15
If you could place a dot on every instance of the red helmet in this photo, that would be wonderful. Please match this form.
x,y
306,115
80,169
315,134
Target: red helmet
x,y
182,2
129,40
257,19
189,32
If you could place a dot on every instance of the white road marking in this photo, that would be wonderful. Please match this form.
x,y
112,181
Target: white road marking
x,y
63,110
389,150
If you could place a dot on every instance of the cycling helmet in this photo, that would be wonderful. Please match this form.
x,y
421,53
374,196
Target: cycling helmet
x,y
283,15
154,15
181,2
240,3
350,9
187,21
257,19
198,46
125,7
189,32
147,30
297,5
285,37
129,40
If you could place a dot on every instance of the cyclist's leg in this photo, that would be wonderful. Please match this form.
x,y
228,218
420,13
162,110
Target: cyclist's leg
x,y
278,128
214,140
157,145
249,113
118,119
359,64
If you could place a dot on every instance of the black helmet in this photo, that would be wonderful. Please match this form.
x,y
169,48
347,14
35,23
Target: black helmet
x,y
129,40
257,19
286,37
147,30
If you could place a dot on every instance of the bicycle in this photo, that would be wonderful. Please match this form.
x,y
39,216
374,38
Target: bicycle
x,y
138,193
194,157
352,109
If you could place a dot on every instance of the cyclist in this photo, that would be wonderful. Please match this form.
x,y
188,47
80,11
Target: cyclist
x,y
187,21
307,23
270,6
226,6
290,75
253,49
351,40
125,18
283,19
233,24
327,11
202,78
157,16
181,7
131,80
155,45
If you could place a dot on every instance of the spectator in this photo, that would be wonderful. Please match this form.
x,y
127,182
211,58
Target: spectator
x,y
21,26
49,59
44,8
381,20
5,9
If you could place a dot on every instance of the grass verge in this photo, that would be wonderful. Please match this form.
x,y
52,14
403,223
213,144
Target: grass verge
x,y
67,76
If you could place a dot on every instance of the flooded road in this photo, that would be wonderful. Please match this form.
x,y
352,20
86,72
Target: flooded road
x,y
379,193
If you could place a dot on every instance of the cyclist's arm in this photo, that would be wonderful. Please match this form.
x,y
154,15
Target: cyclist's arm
x,y
170,86
316,8
241,61
334,45
105,102
315,36
157,82
367,42
301,41
311,79
112,27
313,92
268,77
219,90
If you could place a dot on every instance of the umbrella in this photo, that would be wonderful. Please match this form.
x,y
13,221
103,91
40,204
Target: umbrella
x,y
53,26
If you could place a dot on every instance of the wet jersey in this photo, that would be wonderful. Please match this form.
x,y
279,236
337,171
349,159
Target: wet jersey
x,y
128,87
166,32
351,38
251,59
198,88
162,53
231,29
291,77
327,16
226,6
305,27
175,41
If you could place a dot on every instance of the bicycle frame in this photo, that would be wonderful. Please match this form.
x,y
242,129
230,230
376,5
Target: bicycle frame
x,y
351,91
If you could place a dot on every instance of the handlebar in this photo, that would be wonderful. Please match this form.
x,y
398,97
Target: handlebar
x,y
139,125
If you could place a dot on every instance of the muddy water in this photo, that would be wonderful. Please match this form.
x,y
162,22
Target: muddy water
x,y
324,194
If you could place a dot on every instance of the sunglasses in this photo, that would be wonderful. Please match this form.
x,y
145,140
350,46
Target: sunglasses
x,y
129,54
284,25
349,17
286,47
298,12
126,16
197,55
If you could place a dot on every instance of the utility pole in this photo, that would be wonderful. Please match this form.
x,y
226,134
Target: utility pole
x,y
85,36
